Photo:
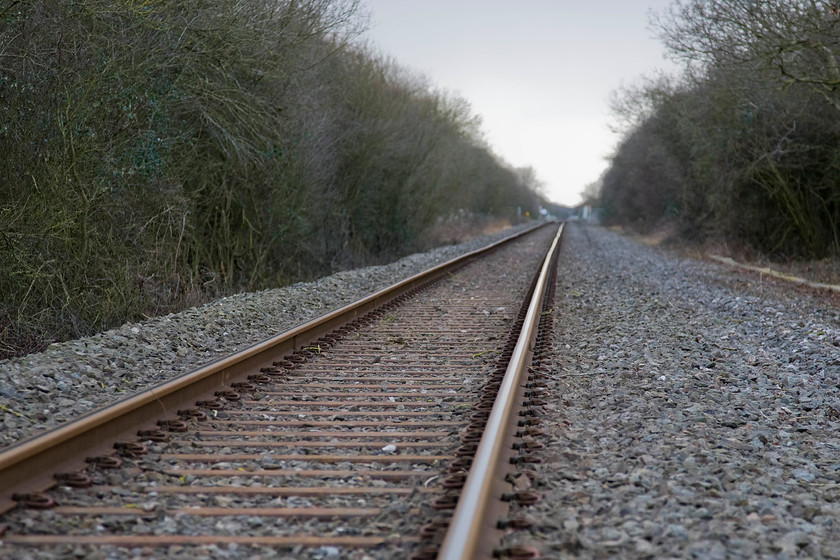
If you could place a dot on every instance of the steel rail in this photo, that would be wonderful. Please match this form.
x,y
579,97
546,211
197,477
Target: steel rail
x,y
473,517
29,465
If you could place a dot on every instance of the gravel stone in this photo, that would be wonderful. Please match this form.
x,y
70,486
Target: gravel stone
x,y
696,411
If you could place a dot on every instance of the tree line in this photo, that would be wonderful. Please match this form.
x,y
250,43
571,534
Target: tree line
x,y
158,154
743,147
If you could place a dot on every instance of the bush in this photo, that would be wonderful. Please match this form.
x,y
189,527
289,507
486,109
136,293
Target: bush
x,y
159,154
744,148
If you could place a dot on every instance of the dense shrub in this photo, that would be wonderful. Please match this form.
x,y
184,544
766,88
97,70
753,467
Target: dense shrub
x,y
157,154
746,146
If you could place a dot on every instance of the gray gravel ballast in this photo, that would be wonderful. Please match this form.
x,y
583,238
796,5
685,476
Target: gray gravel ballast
x,y
696,411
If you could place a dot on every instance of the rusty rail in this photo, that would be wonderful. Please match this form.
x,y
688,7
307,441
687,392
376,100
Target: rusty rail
x,y
475,516
29,465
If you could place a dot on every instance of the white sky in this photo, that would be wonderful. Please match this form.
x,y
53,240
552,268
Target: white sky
x,y
538,72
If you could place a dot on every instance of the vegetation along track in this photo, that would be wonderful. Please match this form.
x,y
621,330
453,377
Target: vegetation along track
x,y
351,436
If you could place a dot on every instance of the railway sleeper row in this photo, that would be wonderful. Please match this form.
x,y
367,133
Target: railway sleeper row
x,y
266,468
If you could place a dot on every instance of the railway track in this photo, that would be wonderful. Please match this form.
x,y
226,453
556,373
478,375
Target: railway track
x,y
398,427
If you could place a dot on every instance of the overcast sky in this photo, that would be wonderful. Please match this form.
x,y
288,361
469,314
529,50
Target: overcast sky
x,y
538,72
